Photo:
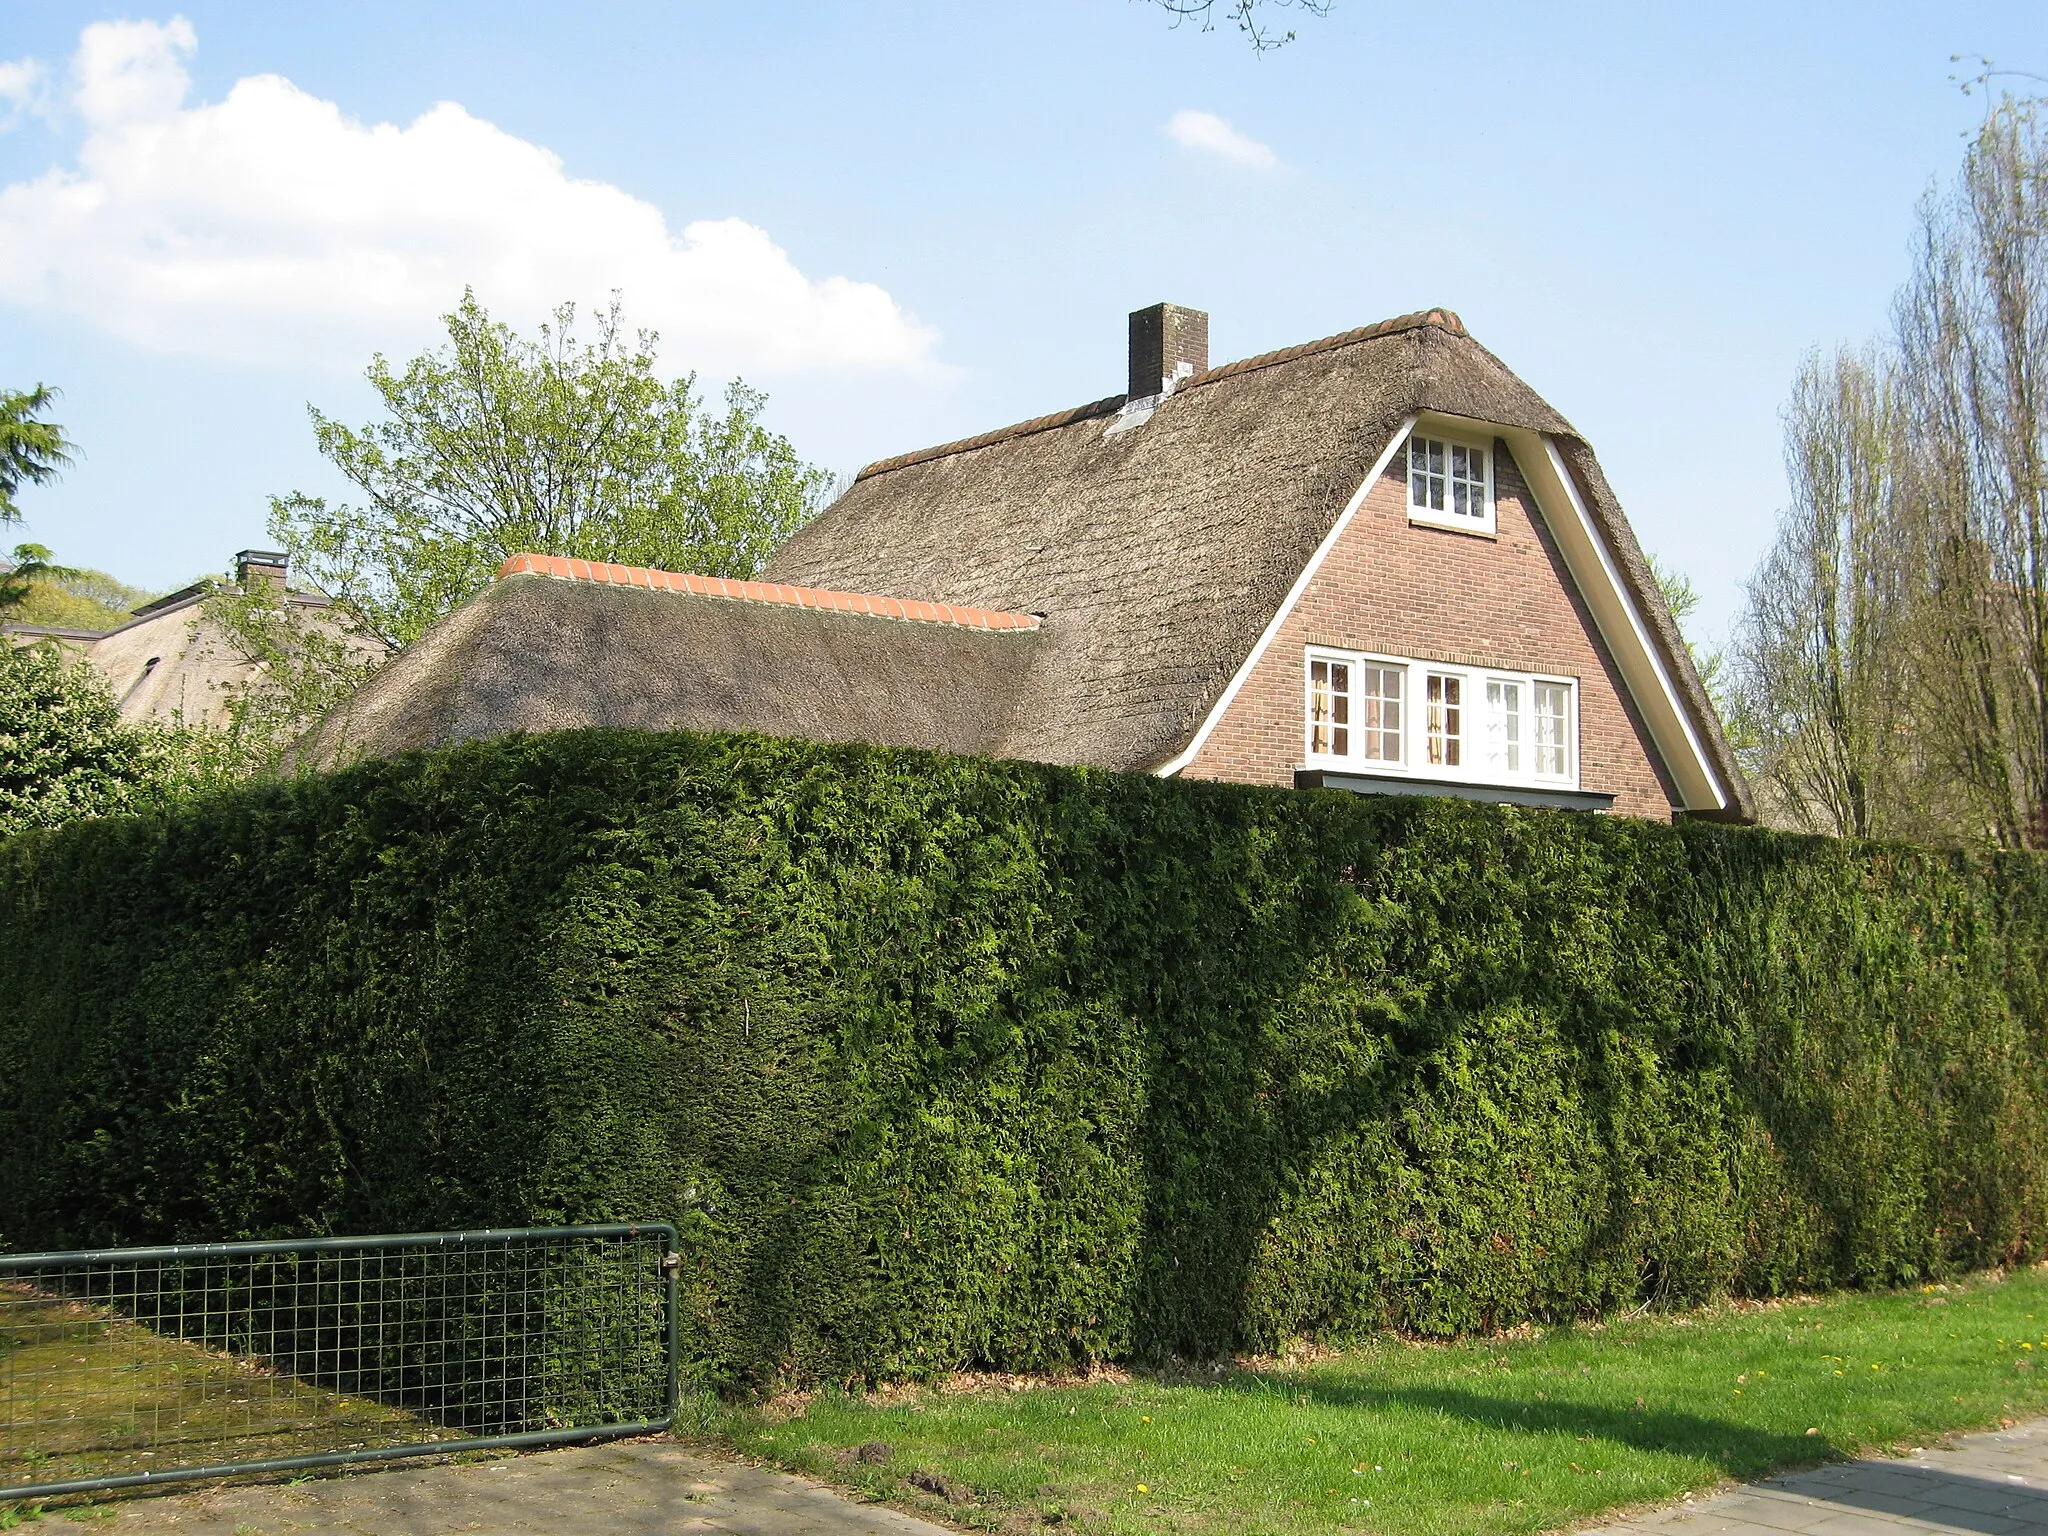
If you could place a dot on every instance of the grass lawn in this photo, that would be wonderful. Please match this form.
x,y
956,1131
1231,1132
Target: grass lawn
x,y
1520,1433
85,1392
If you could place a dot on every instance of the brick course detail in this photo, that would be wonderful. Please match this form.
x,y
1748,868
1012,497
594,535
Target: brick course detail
x,y
1435,594
870,603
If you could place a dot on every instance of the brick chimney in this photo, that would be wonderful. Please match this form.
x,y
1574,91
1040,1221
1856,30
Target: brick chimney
x,y
1168,344
264,566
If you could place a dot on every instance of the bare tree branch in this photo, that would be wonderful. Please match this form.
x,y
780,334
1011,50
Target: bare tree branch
x,y
1248,16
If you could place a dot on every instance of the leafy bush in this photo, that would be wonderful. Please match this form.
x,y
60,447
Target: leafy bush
x,y
940,1060
64,751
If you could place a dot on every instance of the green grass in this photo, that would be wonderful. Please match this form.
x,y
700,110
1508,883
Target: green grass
x,y
85,1392
1521,1433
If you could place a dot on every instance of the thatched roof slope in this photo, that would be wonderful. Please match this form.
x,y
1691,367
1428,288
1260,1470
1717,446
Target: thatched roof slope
x,y
1158,554
532,653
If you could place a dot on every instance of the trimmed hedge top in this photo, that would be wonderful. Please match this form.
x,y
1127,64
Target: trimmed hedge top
x,y
942,1061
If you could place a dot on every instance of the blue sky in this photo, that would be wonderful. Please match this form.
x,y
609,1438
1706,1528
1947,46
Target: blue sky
x,y
912,222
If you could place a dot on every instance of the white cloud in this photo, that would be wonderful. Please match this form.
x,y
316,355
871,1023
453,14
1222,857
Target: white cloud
x,y
24,90
130,71
272,227
1213,135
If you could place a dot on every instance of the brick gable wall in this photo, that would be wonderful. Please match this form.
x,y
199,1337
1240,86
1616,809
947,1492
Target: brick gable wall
x,y
1438,595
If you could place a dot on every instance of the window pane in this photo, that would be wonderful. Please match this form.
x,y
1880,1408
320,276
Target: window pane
x,y
1429,473
1380,695
1329,707
1553,730
1445,719
1504,726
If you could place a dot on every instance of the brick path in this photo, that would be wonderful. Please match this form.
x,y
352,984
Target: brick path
x,y
633,1488
1983,1485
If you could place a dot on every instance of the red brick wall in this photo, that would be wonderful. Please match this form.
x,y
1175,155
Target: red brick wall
x,y
1437,595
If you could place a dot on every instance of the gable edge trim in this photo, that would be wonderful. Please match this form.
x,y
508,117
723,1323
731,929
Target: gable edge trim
x,y
1638,631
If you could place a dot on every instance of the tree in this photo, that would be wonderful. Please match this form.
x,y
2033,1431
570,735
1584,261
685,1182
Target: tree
x,y
1249,17
1972,329
495,445
306,662
1683,599
1822,677
64,751
32,451
32,563
1893,657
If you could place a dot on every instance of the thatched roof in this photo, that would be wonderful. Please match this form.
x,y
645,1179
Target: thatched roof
x,y
1159,554
535,653
1156,556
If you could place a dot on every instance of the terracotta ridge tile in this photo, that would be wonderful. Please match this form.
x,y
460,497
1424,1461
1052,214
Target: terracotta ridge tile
x,y
733,589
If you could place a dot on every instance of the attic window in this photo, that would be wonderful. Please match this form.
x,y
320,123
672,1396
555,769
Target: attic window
x,y
1450,484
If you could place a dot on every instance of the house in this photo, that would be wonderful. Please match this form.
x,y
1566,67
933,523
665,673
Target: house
x,y
1376,562
170,662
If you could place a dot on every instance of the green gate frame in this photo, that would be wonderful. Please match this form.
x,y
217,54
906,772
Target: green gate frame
x,y
87,1261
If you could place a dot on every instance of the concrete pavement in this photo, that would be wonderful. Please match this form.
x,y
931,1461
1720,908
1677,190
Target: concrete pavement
x,y
627,1488
1993,1484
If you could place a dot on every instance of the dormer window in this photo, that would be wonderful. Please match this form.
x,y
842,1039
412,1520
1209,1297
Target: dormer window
x,y
1450,483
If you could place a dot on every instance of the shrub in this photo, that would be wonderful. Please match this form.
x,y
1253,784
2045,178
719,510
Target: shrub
x,y
64,751
942,1061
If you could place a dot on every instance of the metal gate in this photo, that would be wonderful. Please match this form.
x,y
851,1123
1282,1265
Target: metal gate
x,y
155,1365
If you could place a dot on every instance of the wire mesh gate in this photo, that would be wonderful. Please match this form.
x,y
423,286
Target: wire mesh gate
x,y
154,1365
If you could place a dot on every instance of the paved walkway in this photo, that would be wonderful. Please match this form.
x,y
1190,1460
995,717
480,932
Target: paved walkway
x,y
632,1488
1983,1485
1991,1485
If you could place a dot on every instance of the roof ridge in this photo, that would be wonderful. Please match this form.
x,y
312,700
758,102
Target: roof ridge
x,y
734,589
1443,319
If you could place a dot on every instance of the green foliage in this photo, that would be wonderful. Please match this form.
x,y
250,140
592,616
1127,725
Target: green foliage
x,y
33,451
496,445
64,752
939,1060
306,661
31,565
59,605
35,591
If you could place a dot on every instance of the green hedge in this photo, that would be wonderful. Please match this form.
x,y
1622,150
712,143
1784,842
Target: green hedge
x,y
943,1061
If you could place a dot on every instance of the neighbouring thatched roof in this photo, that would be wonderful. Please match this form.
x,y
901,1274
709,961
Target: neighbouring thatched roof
x,y
533,653
1159,554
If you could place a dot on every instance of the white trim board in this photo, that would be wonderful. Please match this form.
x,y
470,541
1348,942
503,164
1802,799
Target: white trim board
x,y
1619,620
1224,700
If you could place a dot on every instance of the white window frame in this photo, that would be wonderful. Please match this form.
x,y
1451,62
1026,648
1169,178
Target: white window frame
x,y
1445,517
1475,722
